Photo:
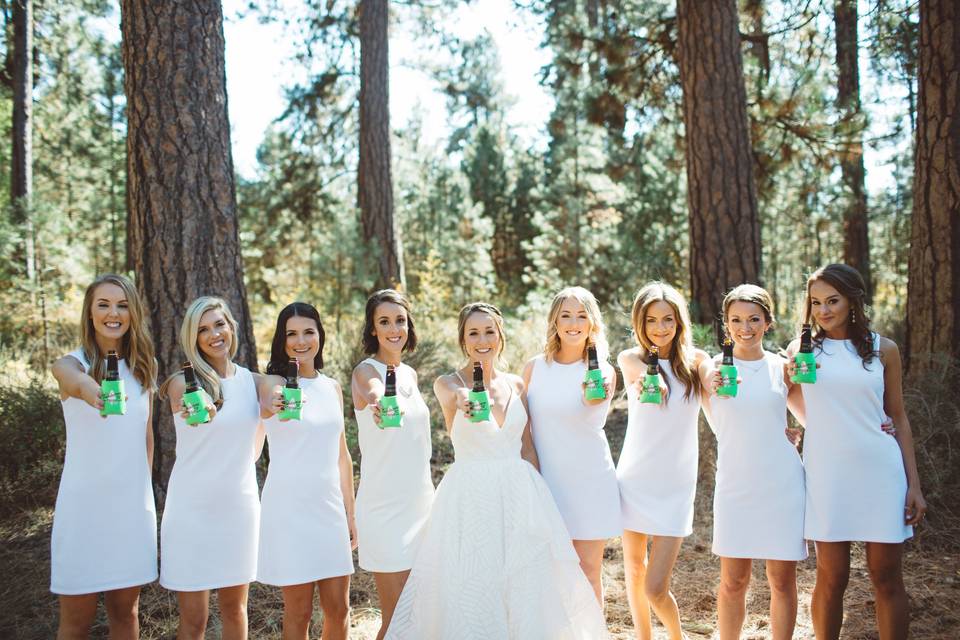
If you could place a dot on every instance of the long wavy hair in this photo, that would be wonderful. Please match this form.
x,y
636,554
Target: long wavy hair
x,y
136,345
278,347
681,348
849,283
480,307
189,329
369,341
597,332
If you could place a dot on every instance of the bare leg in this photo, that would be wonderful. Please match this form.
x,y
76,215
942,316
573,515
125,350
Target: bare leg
x,y
663,555
732,596
782,578
635,575
335,602
233,611
884,561
122,606
297,611
76,616
833,573
389,587
194,609
591,561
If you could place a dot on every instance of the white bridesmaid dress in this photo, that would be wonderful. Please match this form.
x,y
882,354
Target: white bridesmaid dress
x,y
303,526
104,522
856,482
211,520
758,502
396,491
495,560
573,450
657,470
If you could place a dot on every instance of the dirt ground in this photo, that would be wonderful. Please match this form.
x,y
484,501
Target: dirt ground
x,y
932,572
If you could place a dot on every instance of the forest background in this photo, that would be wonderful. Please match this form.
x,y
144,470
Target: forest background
x,y
703,143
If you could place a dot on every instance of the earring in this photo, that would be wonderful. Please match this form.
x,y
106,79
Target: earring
x,y
853,316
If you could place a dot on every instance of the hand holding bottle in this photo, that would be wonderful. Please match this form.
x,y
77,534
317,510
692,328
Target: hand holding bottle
x,y
211,408
90,393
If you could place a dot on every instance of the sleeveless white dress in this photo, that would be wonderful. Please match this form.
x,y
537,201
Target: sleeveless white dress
x,y
495,560
303,526
856,483
396,491
211,520
574,453
104,522
657,470
758,502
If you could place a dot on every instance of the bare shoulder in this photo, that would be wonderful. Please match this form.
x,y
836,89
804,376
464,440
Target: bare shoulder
x,y
699,355
364,372
793,347
888,349
631,357
68,362
516,382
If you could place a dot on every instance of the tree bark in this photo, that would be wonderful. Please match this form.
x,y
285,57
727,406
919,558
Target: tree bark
x,y
856,243
181,196
374,181
933,299
721,194
21,171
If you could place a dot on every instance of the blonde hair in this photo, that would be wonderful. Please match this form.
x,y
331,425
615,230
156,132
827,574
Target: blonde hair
x,y
597,334
136,345
189,330
749,293
681,349
480,307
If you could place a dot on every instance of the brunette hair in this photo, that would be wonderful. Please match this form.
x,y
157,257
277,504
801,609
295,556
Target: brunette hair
x,y
681,349
278,347
849,283
369,341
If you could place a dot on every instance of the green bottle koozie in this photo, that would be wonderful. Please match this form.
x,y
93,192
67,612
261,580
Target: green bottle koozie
x,y
594,378
292,404
728,381
390,416
651,389
114,399
196,405
479,406
806,368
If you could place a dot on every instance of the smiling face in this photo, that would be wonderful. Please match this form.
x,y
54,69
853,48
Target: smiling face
x,y
302,340
110,312
746,323
829,308
390,326
481,338
573,323
660,324
214,336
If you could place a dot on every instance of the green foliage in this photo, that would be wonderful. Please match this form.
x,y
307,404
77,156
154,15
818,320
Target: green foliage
x,y
31,425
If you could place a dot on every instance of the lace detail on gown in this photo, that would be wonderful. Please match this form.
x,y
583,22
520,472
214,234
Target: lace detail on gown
x,y
496,561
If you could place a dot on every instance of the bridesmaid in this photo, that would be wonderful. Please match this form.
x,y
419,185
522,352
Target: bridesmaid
x,y
759,496
568,431
861,484
395,494
657,470
306,524
211,520
104,524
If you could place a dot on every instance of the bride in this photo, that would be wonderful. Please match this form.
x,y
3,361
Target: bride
x,y
495,560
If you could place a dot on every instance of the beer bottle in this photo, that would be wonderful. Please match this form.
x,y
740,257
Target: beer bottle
x,y
195,399
389,408
651,382
594,378
292,393
728,372
111,388
479,400
806,363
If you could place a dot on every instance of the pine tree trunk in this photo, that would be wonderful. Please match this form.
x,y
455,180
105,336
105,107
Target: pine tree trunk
x,y
856,243
933,300
721,195
181,196
374,182
21,171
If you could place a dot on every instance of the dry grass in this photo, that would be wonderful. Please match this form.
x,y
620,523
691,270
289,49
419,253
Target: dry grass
x,y
932,571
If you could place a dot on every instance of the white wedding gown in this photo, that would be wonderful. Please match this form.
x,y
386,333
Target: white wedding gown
x,y
495,561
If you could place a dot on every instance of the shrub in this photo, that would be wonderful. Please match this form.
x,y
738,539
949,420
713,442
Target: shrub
x,y
31,427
